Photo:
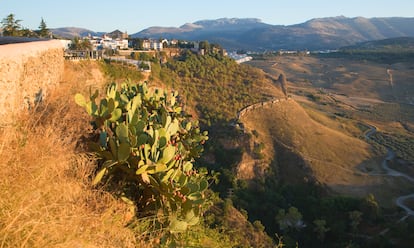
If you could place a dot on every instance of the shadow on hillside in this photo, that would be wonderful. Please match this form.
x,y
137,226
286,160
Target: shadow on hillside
x,y
291,168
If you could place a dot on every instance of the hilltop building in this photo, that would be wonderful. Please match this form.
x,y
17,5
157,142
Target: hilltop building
x,y
115,40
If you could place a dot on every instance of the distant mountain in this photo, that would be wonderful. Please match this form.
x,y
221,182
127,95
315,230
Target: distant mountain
x,y
225,31
252,34
70,32
315,34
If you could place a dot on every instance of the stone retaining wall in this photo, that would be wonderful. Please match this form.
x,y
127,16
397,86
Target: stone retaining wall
x,y
27,72
258,105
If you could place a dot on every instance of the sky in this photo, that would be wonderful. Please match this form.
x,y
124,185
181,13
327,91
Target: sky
x,y
134,15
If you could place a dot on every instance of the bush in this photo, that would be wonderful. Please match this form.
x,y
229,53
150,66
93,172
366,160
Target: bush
x,y
258,225
257,150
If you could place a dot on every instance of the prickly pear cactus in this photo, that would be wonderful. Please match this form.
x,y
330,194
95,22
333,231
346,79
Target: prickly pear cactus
x,y
148,145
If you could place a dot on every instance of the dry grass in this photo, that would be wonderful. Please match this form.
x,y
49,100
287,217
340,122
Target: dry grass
x,y
332,156
45,195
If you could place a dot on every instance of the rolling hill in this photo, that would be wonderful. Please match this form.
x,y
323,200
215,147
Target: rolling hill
x,y
298,147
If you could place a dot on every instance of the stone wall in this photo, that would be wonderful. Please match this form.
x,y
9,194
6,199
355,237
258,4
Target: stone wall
x,y
27,72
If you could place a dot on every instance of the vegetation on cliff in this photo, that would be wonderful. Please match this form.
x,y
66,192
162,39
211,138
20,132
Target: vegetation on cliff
x,y
215,85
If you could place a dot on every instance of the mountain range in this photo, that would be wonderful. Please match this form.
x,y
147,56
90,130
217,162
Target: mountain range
x,y
252,34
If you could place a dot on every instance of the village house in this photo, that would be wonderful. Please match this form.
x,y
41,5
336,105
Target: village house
x,y
150,44
107,42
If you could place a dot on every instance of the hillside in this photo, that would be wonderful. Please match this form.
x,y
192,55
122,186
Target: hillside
x,y
298,147
344,94
388,51
314,150
400,44
215,86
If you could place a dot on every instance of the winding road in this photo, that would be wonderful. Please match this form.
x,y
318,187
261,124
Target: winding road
x,y
400,201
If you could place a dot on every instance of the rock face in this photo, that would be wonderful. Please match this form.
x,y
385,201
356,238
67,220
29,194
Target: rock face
x,y
27,72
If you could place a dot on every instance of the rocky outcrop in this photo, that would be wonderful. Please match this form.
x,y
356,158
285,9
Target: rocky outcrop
x,y
27,72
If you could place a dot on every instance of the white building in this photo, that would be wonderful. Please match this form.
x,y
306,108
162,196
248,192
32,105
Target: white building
x,y
107,42
240,58
152,45
156,45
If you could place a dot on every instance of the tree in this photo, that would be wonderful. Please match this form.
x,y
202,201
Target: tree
x,y
25,32
355,218
137,43
291,219
370,208
11,26
144,56
258,225
80,44
86,45
75,45
204,45
43,30
320,228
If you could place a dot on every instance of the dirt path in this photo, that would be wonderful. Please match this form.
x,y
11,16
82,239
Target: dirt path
x,y
400,201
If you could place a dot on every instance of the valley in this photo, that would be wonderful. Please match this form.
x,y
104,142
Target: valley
x,y
348,126
345,95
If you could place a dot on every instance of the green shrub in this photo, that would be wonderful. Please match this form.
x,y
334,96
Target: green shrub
x,y
117,71
257,150
148,145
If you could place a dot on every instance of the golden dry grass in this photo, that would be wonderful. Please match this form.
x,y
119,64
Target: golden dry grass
x,y
45,195
332,156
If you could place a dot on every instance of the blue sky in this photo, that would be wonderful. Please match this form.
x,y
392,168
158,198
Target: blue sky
x,y
134,15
